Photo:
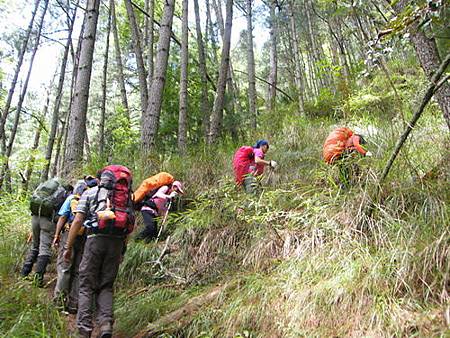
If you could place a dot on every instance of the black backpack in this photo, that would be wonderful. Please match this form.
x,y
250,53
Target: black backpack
x,y
48,198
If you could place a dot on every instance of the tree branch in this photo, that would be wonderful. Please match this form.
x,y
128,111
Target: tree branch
x,y
432,88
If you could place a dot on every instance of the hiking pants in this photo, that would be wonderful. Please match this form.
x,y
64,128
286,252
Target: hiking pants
x,y
68,272
250,184
150,231
98,271
43,230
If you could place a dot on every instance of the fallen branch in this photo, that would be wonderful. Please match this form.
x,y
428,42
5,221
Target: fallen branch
x,y
181,317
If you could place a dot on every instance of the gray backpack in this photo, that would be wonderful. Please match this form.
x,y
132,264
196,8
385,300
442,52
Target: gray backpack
x,y
48,198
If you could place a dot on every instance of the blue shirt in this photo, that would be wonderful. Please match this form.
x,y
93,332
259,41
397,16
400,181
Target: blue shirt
x,y
65,208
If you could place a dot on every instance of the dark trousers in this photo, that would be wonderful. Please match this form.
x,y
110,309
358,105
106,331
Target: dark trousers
x,y
150,230
98,271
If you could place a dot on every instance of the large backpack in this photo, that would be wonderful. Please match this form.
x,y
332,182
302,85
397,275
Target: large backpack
x,y
335,143
48,198
149,186
114,193
242,160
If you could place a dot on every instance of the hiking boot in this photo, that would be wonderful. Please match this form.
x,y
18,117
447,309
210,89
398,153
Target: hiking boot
x,y
29,261
106,330
41,266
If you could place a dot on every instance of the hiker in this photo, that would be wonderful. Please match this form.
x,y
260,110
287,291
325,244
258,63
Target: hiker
x,y
66,288
44,204
340,146
249,162
106,211
157,204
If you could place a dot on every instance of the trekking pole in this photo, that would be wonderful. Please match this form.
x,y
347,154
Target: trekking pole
x,y
163,221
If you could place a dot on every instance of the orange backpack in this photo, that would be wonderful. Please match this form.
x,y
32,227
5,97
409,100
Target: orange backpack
x,y
334,145
152,183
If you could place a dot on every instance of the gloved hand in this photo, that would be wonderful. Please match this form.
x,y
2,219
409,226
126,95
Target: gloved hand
x,y
273,164
173,194
369,154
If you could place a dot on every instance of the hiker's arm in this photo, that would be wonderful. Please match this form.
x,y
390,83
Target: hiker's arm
x,y
259,160
162,192
73,233
61,221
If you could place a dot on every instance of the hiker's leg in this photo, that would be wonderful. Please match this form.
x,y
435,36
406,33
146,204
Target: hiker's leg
x,y
63,270
90,266
151,231
250,184
45,247
34,251
109,272
78,248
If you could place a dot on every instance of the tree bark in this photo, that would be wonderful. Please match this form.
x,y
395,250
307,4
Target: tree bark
x,y
77,129
273,57
135,34
150,120
204,101
118,55
296,51
8,150
428,55
31,158
59,93
101,136
251,65
61,136
217,114
182,119
149,38
20,58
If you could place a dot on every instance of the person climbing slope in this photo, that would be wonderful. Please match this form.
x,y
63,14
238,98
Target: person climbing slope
x,y
340,146
107,213
249,162
66,288
159,191
44,204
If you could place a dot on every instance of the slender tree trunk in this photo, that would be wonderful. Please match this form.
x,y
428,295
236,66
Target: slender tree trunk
x,y
59,93
135,34
273,73
204,101
217,114
59,141
101,136
149,38
182,119
8,151
22,52
150,120
210,35
428,55
31,159
296,51
251,65
118,54
77,129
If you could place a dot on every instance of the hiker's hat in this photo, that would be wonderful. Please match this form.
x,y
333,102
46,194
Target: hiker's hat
x,y
178,186
80,187
261,143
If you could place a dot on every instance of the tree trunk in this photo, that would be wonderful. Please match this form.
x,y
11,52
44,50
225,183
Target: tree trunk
x,y
59,93
61,137
204,101
251,65
31,159
149,38
118,54
210,35
77,129
8,150
22,51
273,73
101,136
428,55
135,34
217,114
182,119
296,51
150,120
